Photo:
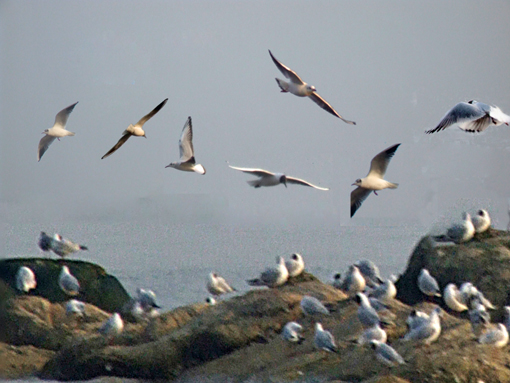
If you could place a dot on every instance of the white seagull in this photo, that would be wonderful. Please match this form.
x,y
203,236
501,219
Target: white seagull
x,y
481,221
354,281
312,306
428,284
458,233
58,130
454,299
497,337
267,178
373,333
135,130
324,340
374,180
272,277
75,308
386,354
295,265
187,161
63,247
112,327
68,282
217,285
25,279
292,332
428,330
147,299
300,88
472,116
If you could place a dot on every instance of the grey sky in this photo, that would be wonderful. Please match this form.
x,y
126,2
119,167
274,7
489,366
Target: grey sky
x,y
394,67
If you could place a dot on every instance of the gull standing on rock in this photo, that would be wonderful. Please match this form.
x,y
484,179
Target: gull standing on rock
x,y
75,308
63,247
312,306
472,116
478,316
112,327
370,272
428,284
374,180
295,265
385,292
416,319
497,337
300,88
25,279
454,299
428,330
135,130
216,285
147,299
481,221
324,340
68,282
292,332
337,282
354,281
386,354
367,315
58,130
272,277
267,178
459,233
187,161
373,333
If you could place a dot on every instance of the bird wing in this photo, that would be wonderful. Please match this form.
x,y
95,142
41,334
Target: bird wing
x,y
358,195
62,116
325,105
257,172
147,117
287,72
186,143
44,144
462,112
119,143
297,181
380,162
478,125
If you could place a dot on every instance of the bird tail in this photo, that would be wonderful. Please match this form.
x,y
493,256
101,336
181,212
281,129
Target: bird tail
x,y
254,183
255,282
70,133
82,247
392,186
283,85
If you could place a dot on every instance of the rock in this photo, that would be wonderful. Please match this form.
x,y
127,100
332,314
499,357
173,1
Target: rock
x,y
18,362
96,286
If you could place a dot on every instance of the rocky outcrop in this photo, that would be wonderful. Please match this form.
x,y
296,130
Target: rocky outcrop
x,y
96,286
18,362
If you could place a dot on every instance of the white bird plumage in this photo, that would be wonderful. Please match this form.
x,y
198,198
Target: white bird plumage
x,y
481,221
295,265
112,327
324,340
217,285
386,354
426,331
25,279
68,282
497,337
292,332
428,284
272,277
312,306
454,299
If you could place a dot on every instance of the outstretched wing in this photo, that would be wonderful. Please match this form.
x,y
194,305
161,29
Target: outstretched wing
x,y
325,105
462,112
380,162
287,72
186,142
297,181
257,172
63,115
147,117
44,144
119,143
358,195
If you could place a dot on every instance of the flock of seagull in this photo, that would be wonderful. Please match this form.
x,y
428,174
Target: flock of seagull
x,y
472,116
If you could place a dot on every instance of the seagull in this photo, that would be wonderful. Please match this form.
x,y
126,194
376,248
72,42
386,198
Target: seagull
x,y
135,130
354,281
497,337
147,299
45,242
25,279
216,285
374,180
187,161
112,327
295,265
373,333
428,284
428,330
385,292
272,277
58,130
63,247
454,299
472,116
458,233
300,88
416,319
68,282
366,313
478,316
481,221
471,294
386,354
75,308
370,272
272,179
323,339
337,281
291,332
312,306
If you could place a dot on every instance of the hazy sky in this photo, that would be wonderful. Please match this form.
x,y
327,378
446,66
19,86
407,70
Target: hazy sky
x,y
394,67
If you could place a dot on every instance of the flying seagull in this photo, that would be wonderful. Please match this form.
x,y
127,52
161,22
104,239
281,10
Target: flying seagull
x,y
135,130
187,161
374,180
472,116
302,89
272,179
58,130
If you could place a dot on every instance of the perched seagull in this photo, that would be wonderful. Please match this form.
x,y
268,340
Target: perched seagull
x,y
373,333
217,285
458,233
187,161
272,277
112,327
291,332
300,88
366,313
427,331
75,308
454,299
497,337
386,354
374,180
324,340
147,299
428,284
481,221
45,242
272,179
385,292
25,279
68,282
416,319
370,272
472,116
312,306
354,281
58,130
135,130
479,317
295,265
63,247
472,295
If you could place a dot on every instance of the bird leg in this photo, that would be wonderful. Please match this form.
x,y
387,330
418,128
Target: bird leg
x,y
375,192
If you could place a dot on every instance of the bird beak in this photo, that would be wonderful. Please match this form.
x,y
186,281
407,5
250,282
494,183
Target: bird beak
x,y
285,183
353,184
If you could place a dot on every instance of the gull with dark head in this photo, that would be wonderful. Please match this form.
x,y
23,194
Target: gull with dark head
x,y
63,247
267,178
187,162
58,130
300,88
459,232
45,242
272,277
135,130
472,116
481,221
374,180
295,265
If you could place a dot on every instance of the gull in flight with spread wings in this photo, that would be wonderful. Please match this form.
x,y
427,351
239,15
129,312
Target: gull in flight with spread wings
x,y
135,130
58,130
187,161
374,180
272,179
300,88
472,116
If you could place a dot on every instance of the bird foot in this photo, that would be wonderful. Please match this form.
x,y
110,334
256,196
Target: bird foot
x,y
375,192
